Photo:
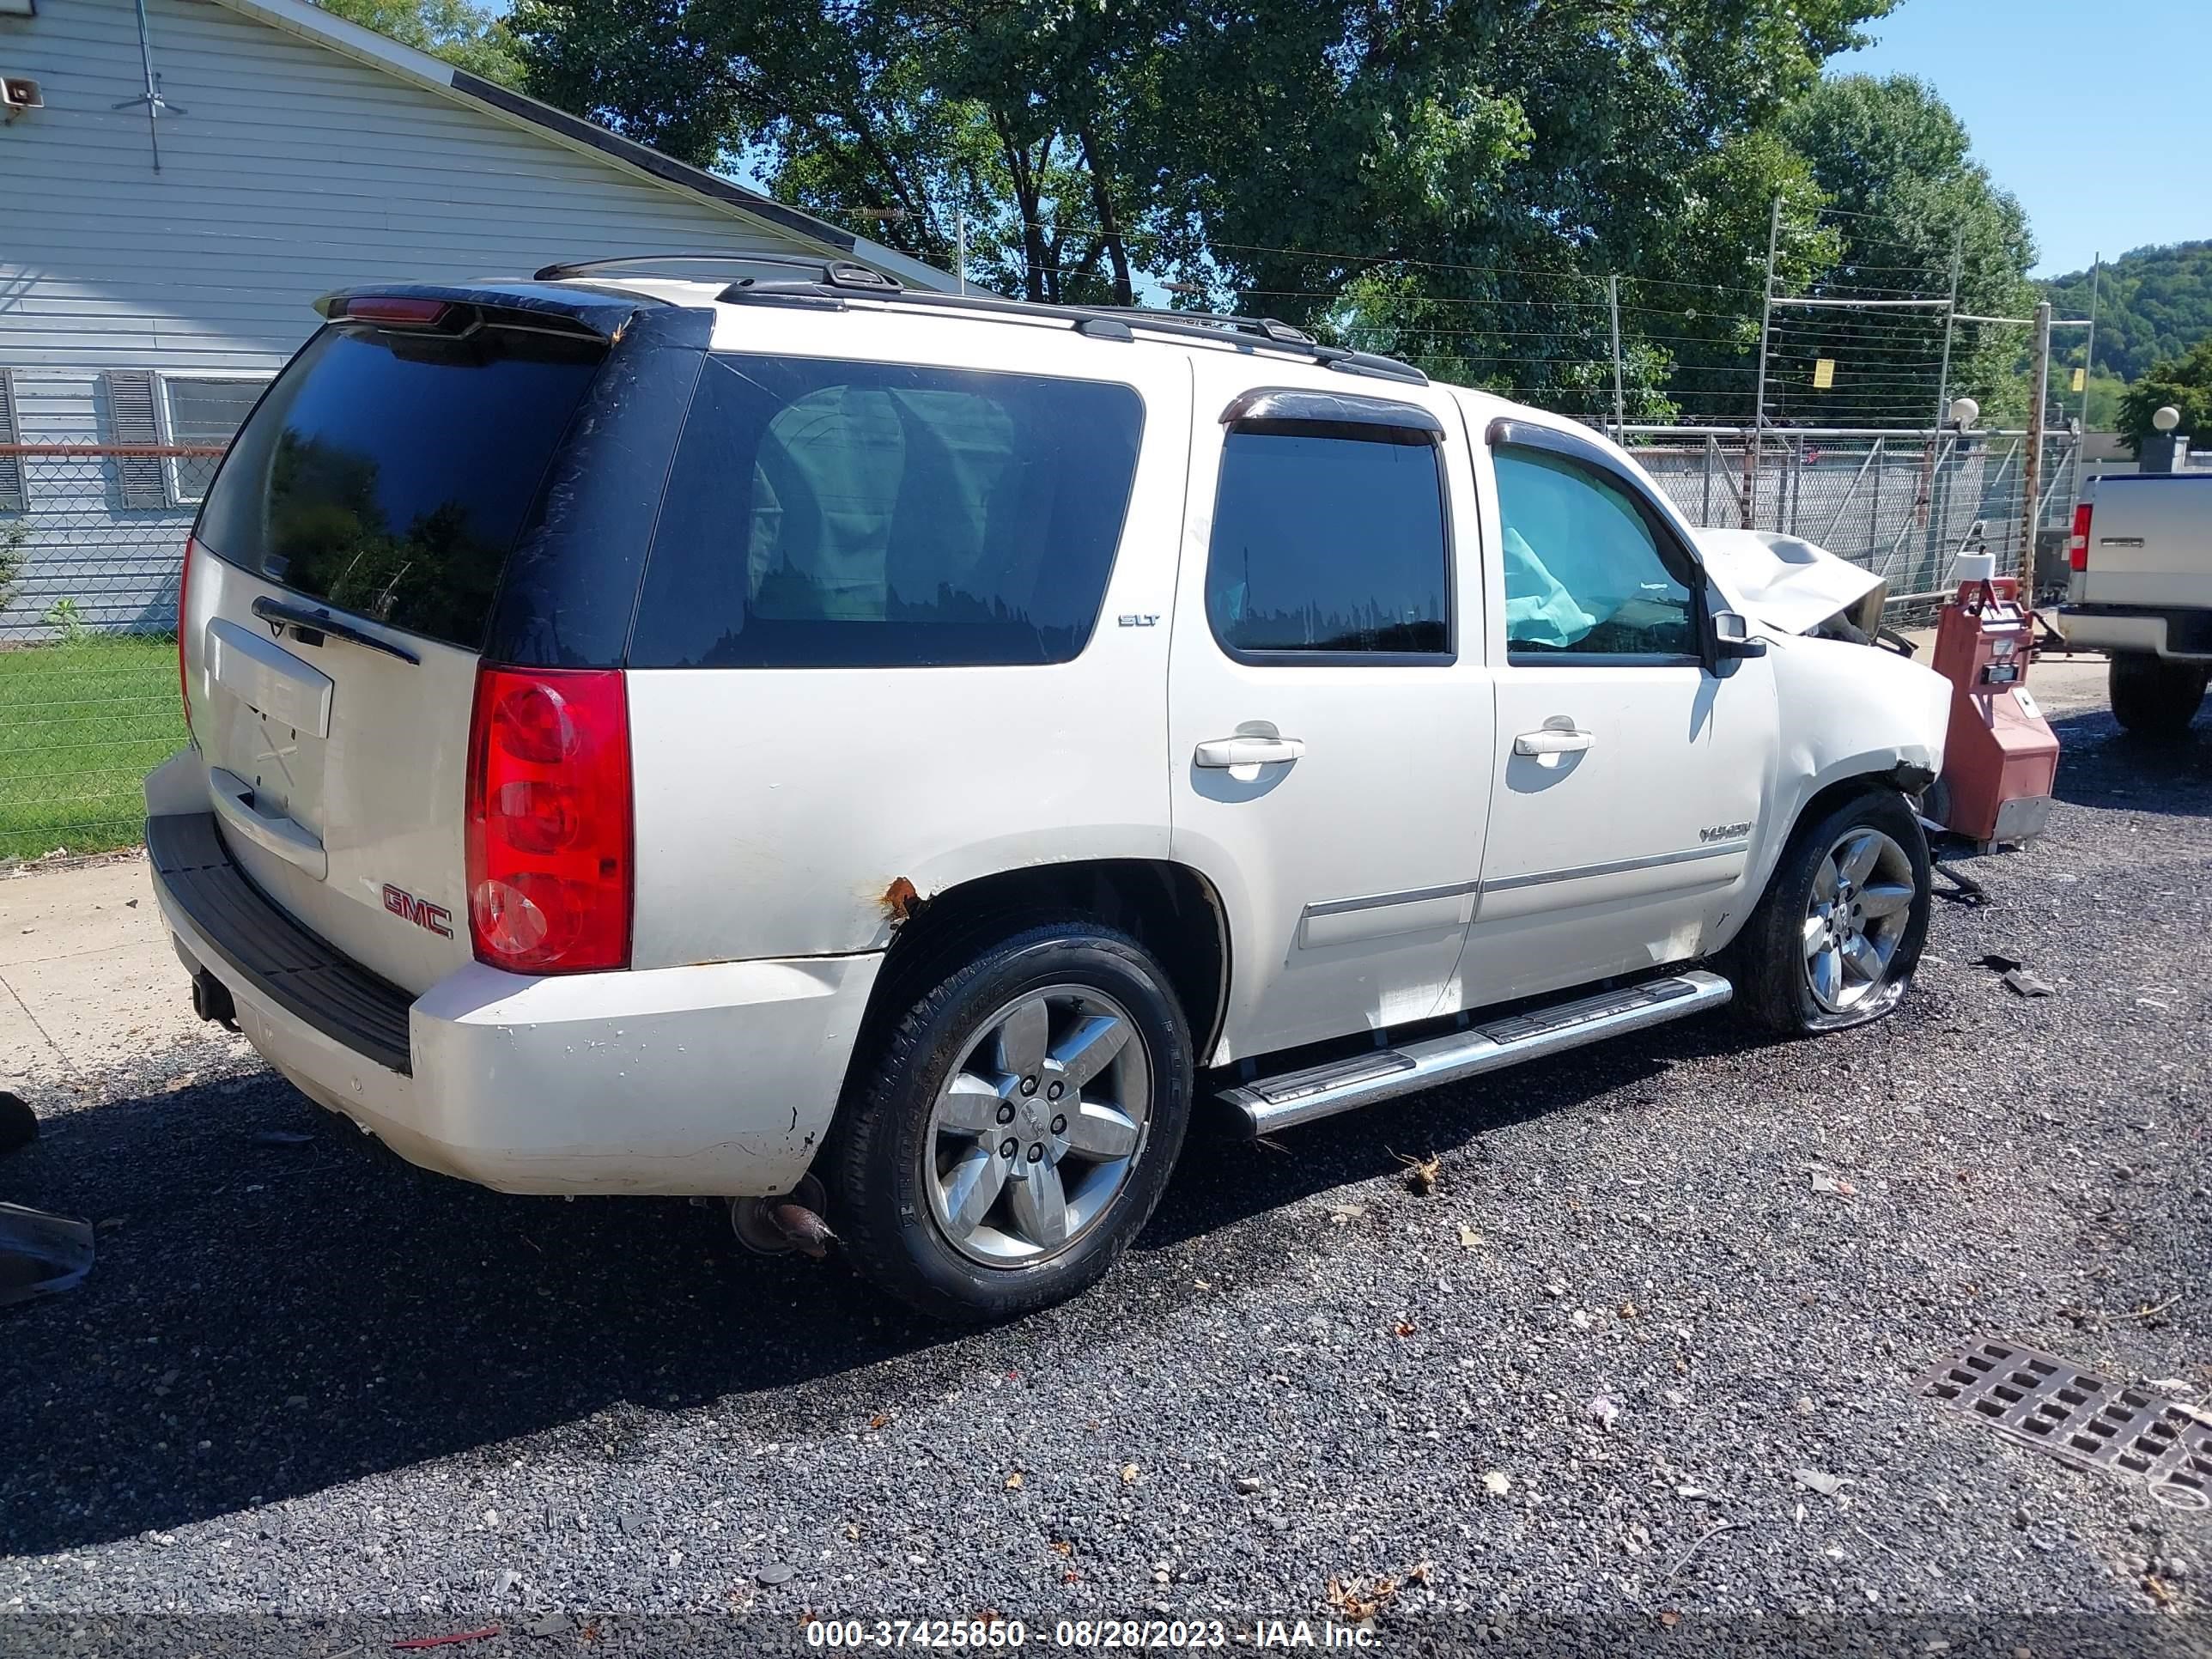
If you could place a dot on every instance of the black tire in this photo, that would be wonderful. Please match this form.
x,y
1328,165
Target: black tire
x,y
880,1206
2155,697
1768,962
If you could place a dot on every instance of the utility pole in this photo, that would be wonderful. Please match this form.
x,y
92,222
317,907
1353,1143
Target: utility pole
x,y
1758,409
2088,368
2089,350
2031,471
1950,321
1620,402
960,246
1936,484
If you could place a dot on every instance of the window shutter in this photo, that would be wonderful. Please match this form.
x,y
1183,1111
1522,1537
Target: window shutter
x,y
132,420
11,466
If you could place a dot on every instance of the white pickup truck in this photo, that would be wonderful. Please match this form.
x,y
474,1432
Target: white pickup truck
x,y
652,736
2140,590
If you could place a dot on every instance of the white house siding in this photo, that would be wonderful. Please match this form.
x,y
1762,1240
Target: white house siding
x,y
292,170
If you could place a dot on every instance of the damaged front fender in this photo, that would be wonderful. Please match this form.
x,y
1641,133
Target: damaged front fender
x,y
1848,712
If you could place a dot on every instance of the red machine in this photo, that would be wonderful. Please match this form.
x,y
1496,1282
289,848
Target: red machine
x,y
2001,758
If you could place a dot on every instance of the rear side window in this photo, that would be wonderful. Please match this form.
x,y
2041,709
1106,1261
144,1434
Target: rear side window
x,y
390,474
826,514
1329,544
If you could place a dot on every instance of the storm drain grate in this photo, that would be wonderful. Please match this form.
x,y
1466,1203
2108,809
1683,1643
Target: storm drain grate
x,y
2041,1401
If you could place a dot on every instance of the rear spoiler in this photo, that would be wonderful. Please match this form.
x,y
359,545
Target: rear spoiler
x,y
603,313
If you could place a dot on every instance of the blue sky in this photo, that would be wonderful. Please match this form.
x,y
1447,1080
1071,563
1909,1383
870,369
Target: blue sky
x,y
2084,113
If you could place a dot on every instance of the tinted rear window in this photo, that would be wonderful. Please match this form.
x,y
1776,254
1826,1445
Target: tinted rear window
x,y
388,474
824,514
1328,544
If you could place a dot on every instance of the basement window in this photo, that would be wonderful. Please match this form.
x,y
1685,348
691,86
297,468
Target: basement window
x,y
202,411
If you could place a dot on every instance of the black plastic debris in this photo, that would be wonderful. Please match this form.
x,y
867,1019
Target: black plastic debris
x,y
19,1127
1957,888
40,1254
2017,975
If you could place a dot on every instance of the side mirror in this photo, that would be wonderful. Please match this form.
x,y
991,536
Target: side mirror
x,y
1732,636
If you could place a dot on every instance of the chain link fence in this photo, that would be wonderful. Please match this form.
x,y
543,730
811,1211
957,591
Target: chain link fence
x,y
1903,504
92,535
92,540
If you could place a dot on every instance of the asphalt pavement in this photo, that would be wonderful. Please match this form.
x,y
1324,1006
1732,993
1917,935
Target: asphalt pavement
x,y
1646,1365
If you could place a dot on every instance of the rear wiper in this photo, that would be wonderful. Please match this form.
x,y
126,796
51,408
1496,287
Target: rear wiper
x,y
304,621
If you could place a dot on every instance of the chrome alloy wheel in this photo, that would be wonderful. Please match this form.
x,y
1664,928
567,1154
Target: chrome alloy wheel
x,y
1035,1132
1862,903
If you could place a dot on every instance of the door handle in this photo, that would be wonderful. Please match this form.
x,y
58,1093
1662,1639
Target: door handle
x,y
1222,752
1553,740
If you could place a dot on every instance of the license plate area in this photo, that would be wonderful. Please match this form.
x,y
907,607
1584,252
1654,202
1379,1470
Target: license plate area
x,y
268,679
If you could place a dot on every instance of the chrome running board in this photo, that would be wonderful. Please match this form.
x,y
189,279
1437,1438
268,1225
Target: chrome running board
x,y
1276,1103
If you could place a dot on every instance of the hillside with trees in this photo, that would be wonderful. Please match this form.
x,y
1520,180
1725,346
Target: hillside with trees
x,y
2154,305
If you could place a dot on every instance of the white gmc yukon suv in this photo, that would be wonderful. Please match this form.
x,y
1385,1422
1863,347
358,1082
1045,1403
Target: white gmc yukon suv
x,y
657,736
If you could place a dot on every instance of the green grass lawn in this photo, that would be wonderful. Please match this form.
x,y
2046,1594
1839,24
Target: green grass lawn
x,y
80,725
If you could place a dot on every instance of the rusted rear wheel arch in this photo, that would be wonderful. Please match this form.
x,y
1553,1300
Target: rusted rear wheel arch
x,y
1168,908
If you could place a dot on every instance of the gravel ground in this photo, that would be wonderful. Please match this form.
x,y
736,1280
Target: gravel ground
x,y
310,1381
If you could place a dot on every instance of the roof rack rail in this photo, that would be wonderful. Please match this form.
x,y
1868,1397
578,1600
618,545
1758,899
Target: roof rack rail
x,y
840,279
830,273
1265,332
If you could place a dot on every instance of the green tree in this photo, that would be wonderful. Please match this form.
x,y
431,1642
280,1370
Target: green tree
x,y
1455,173
2184,382
467,36
1904,196
1467,174
1034,122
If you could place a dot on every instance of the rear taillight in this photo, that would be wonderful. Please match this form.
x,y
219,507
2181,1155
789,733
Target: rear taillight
x,y
549,820
2078,544
184,615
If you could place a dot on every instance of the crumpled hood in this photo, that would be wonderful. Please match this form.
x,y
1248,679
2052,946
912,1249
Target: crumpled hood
x,y
1788,583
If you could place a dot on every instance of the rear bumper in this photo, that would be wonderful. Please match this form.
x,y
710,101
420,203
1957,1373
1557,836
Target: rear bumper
x,y
715,1079
2168,631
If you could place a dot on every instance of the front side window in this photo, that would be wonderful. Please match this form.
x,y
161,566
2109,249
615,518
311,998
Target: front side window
x,y
831,514
1585,574
1328,544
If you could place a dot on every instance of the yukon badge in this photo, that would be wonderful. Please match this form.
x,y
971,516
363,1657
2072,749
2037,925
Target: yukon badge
x,y
436,917
1723,831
